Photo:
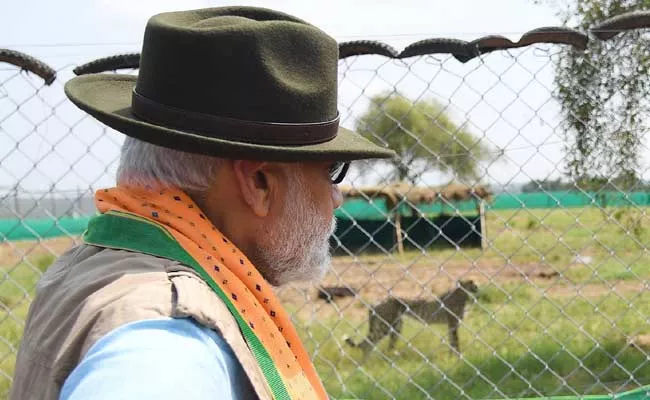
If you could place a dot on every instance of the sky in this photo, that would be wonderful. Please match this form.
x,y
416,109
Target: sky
x,y
121,21
504,98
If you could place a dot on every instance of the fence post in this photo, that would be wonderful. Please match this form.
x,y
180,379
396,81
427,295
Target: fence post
x,y
399,236
483,219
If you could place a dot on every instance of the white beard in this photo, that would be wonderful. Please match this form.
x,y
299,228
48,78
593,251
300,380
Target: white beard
x,y
298,248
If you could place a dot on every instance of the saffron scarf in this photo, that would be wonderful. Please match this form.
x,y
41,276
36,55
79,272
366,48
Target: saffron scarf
x,y
167,223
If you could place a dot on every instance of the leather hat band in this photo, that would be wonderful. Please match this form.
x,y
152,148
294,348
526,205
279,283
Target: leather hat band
x,y
265,133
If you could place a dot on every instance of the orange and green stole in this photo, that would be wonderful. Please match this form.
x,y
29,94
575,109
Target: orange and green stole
x,y
167,223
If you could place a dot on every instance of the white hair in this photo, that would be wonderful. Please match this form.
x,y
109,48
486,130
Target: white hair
x,y
142,163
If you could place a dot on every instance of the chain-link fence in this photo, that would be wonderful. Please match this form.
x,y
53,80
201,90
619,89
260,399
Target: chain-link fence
x,y
485,190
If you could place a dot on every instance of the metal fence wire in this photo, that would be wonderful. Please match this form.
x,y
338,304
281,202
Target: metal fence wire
x,y
503,254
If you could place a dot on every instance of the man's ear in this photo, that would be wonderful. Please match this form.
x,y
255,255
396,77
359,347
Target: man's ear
x,y
257,184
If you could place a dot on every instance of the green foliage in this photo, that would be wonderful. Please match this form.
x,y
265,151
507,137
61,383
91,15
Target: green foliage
x,y
548,185
424,137
602,92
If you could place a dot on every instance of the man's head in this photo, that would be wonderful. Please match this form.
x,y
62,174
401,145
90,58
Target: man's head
x,y
279,214
238,107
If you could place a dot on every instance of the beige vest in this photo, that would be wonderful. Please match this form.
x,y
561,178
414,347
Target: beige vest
x,y
89,291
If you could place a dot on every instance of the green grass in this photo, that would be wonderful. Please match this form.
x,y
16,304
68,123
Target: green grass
x,y
615,245
516,340
556,238
17,284
504,292
565,231
522,347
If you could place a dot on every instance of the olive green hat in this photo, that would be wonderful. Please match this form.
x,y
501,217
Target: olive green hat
x,y
235,82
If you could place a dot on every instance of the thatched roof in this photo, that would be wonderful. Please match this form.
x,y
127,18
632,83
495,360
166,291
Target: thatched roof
x,y
396,193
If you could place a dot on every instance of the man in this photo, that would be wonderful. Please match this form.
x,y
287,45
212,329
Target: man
x,y
226,187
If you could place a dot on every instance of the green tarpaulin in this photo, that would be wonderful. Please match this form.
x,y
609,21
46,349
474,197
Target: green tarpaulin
x,y
361,210
32,229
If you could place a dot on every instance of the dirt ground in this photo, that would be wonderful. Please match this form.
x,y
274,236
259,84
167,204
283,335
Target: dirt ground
x,y
374,278
427,278
13,253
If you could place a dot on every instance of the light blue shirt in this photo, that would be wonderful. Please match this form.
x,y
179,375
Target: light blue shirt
x,y
160,359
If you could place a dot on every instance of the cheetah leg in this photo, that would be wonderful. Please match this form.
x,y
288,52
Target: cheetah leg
x,y
394,333
453,335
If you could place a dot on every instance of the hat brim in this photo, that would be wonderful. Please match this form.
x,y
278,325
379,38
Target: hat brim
x,y
108,99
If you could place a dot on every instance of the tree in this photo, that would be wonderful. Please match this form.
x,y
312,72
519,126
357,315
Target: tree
x,y
603,94
547,185
423,136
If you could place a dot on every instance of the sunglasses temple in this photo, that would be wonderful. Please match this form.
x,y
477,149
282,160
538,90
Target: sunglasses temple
x,y
341,175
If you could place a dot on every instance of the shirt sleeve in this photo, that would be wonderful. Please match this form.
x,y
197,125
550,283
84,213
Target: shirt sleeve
x,y
159,359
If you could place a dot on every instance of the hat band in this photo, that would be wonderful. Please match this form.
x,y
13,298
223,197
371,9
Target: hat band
x,y
265,133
